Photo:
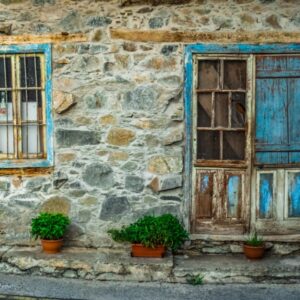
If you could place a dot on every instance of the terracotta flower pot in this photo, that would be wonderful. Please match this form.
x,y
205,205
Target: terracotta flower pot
x,y
52,246
252,252
138,250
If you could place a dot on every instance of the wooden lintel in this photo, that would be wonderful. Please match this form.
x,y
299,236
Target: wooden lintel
x,y
166,36
26,171
42,38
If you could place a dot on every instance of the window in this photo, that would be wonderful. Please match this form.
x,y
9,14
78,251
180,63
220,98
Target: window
x,y
243,138
25,107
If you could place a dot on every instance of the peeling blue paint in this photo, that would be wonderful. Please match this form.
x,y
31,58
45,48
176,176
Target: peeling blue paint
x,y
233,193
294,194
49,161
266,183
204,183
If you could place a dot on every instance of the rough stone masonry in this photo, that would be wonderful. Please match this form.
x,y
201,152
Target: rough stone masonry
x,y
118,108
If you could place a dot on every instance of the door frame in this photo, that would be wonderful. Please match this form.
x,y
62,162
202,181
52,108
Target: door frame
x,y
207,49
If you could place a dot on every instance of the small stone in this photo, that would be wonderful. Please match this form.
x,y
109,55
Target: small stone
x,y
285,249
70,274
98,175
88,201
173,137
145,10
120,136
273,21
94,101
17,182
134,183
72,22
117,156
4,185
5,29
141,98
130,47
170,198
26,200
165,164
35,184
84,216
42,2
113,207
99,21
59,179
236,248
129,166
161,63
248,19
62,101
82,120
95,35
166,182
73,137
168,49
57,204
108,120
156,22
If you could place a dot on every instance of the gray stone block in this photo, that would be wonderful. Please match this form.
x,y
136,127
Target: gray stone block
x,y
134,183
72,137
113,207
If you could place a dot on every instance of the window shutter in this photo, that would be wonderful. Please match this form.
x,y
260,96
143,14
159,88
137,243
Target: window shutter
x,y
277,109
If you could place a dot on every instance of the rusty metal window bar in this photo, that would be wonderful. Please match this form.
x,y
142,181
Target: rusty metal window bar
x,y
22,107
221,92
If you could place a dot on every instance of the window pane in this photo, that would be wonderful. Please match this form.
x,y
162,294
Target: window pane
x,y
294,194
5,72
238,110
221,109
31,139
208,74
234,145
208,143
6,139
235,74
30,70
204,109
266,183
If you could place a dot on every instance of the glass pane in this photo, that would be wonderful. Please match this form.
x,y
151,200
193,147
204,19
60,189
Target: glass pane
x,y
294,194
6,139
205,196
208,74
31,139
204,109
235,74
234,145
6,107
234,193
265,195
221,109
208,143
30,71
238,110
5,72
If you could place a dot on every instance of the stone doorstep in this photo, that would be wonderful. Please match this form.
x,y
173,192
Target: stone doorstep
x,y
117,264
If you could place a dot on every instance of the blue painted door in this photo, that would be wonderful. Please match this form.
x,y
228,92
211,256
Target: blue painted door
x,y
277,110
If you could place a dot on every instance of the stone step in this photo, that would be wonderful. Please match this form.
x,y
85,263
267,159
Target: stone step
x,y
237,268
118,265
104,264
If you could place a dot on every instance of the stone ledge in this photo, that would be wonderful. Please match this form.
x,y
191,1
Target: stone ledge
x,y
237,269
118,265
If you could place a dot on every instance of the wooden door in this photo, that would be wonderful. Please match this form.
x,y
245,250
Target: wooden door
x,y
221,144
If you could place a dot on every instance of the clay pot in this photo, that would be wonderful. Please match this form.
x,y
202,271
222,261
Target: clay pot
x,y
51,246
252,252
138,250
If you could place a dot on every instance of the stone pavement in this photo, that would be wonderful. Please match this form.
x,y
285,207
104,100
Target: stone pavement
x,y
118,265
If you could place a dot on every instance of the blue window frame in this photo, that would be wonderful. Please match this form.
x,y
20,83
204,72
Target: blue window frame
x,y
26,106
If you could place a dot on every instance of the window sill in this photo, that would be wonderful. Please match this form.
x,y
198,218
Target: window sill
x,y
25,163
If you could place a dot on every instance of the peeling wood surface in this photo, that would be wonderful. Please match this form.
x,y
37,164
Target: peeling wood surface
x,y
27,172
166,36
41,39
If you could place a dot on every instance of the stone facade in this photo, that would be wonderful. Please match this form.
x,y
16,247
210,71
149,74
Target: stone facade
x,y
118,108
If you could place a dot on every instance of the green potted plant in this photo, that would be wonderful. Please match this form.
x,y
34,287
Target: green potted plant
x,y
50,228
254,247
150,236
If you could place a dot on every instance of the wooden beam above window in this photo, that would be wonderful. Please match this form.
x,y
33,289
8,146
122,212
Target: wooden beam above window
x,y
168,36
41,39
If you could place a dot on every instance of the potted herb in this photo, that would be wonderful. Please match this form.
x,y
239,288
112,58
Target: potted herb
x,y
50,228
254,247
150,236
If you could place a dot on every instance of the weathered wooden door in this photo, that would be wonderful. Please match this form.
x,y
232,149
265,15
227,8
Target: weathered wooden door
x,y
276,205
221,144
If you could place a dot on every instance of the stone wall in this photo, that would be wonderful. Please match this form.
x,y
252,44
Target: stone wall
x,y
119,116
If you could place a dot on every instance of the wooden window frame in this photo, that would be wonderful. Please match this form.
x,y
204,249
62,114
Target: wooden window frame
x,y
44,51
